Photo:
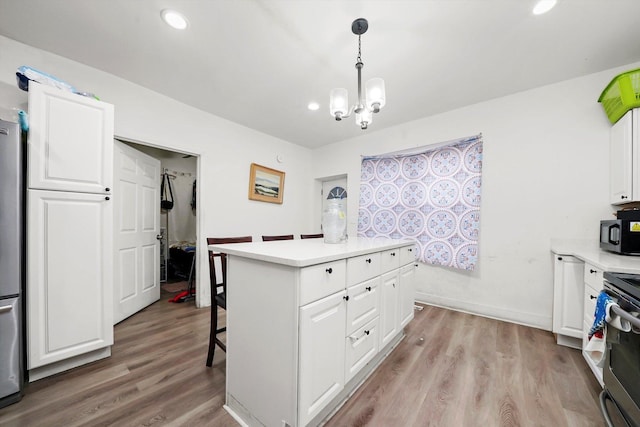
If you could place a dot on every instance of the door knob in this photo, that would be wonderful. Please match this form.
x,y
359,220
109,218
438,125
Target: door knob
x,y
159,237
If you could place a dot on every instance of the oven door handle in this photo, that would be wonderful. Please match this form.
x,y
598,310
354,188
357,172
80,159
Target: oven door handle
x,y
635,322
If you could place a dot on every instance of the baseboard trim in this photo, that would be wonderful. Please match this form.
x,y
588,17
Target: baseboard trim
x,y
40,372
521,318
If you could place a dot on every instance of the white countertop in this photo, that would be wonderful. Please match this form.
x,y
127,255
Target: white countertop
x,y
305,252
589,251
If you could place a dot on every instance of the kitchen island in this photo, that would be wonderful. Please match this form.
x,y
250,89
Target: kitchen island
x,y
307,323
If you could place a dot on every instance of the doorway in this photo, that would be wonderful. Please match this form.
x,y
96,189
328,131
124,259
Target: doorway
x,y
175,253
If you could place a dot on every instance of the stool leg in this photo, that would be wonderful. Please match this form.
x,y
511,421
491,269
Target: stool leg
x,y
212,333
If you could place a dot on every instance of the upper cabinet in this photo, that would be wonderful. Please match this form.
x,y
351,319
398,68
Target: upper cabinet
x,y
624,155
71,148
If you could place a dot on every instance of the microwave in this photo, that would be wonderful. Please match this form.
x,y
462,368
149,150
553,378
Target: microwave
x,y
621,236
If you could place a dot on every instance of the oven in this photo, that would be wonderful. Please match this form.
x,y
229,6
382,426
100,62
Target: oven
x,y
620,399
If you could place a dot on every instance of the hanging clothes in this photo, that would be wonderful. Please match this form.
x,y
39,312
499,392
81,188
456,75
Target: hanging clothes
x,y
166,192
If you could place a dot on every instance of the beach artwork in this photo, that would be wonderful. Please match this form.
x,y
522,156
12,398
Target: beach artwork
x,y
266,184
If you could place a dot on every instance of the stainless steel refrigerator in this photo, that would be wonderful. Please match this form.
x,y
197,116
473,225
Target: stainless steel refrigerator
x,y
12,262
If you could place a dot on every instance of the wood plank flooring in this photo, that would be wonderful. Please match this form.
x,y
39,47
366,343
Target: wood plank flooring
x,y
452,369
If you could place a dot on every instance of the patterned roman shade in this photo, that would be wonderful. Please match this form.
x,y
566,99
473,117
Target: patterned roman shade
x,y
430,194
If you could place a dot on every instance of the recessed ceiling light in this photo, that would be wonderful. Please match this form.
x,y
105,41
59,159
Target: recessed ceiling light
x,y
174,19
313,106
543,6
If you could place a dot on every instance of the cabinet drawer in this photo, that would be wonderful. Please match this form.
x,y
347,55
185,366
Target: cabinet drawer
x,y
362,267
389,260
363,304
408,254
319,281
361,347
593,276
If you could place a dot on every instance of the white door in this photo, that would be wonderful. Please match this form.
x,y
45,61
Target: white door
x,y
136,280
69,276
70,141
338,186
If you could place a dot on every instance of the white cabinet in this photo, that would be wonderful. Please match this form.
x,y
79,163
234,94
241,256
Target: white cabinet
x,y
624,159
322,349
568,289
69,231
302,338
68,288
593,284
363,304
70,142
406,298
389,318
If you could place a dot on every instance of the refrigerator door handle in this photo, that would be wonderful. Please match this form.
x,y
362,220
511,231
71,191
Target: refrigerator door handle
x,y
6,309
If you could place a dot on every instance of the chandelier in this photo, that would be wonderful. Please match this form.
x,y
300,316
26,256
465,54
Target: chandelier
x,y
374,98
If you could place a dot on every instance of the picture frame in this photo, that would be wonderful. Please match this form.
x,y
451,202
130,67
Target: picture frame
x,y
266,184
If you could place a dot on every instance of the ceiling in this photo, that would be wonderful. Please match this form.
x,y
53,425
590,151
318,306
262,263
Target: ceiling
x,y
260,62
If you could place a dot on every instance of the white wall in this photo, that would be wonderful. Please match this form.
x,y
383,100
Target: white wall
x,y
225,151
182,218
545,175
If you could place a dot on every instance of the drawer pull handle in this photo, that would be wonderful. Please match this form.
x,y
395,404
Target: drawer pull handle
x,y
107,198
593,271
559,258
356,339
368,288
410,250
592,297
107,189
6,309
346,297
368,260
329,270
393,254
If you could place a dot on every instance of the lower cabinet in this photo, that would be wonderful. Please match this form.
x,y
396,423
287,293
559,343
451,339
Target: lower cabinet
x,y
407,293
322,349
302,339
568,288
69,290
389,325
593,284
361,347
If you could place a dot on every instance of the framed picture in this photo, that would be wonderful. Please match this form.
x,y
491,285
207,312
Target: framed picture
x,y
266,184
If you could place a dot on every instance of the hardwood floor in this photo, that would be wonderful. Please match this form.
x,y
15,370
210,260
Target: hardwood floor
x,y
452,369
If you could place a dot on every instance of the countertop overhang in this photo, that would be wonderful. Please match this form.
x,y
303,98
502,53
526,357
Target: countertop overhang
x,y
306,252
589,251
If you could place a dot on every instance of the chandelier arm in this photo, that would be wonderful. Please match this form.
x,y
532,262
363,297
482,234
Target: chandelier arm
x,y
349,113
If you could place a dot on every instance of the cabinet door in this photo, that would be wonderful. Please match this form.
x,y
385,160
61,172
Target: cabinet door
x,y
407,293
568,292
69,277
321,355
620,161
70,142
389,318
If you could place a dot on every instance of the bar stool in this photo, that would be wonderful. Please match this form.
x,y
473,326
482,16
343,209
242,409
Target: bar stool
x,y
219,299
282,237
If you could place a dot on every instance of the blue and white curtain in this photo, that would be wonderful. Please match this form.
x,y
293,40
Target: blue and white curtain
x,y
431,195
